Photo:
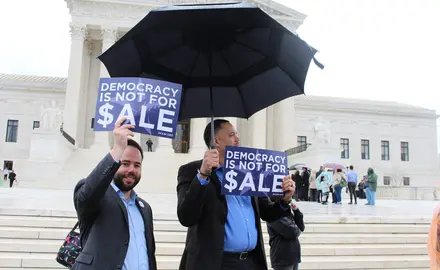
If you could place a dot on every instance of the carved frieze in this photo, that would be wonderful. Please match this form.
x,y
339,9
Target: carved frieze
x,y
127,14
109,34
78,31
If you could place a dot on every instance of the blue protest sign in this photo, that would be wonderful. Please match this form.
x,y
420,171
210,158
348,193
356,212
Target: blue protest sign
x,y
151,105
253,172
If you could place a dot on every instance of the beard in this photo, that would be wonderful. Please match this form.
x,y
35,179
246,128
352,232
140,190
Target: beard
x,y
119,181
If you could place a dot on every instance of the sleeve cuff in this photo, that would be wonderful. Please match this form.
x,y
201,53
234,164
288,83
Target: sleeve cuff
x,y
117,161
284,206
203,182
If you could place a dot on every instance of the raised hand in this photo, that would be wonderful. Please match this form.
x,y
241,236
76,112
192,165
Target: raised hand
x,y
288,187
121,133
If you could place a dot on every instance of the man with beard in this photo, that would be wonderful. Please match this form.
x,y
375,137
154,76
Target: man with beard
x,y
224,232
116,225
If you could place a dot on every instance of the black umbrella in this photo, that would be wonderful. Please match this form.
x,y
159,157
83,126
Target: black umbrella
x,y
232,59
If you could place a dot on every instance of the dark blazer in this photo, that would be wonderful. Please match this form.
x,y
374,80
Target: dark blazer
x,y
204,210
103,221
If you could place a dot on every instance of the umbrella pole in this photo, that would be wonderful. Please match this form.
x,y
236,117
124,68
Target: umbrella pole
x,y
212,114
211,98
212,133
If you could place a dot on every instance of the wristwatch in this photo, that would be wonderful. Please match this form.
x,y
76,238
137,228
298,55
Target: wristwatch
x,y
204,174
286,204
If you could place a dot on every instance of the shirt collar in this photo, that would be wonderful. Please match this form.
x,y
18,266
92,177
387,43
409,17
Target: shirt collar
x,y
133,195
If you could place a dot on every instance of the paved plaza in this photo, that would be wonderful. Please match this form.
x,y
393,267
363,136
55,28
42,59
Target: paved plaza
x,y
164,205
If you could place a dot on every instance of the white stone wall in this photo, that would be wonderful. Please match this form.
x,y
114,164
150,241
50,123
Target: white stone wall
x,y
393,123
20,101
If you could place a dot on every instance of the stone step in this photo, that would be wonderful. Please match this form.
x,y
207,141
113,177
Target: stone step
x,y
174,225
176,249
47,261
180,236
312,215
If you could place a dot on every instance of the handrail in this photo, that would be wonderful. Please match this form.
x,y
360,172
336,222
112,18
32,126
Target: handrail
x,y
298,149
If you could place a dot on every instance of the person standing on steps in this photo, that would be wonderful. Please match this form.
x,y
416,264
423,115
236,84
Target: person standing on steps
x,y
116,225
372,186
224,232
149,145
285,248
352,179
12,178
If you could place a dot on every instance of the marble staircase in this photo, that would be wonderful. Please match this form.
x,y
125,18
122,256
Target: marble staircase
x,y
29,239
80,162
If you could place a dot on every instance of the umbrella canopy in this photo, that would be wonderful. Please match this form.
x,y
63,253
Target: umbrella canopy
x,y
298,166
334,166
232,59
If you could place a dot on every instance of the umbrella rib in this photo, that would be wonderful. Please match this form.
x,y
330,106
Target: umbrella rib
x,y
193,65
276,62
189,76
249,47
238,87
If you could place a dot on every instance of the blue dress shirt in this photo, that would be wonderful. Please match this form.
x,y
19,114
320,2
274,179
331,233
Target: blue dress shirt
x,y
241,232
241,229
352,177
137,253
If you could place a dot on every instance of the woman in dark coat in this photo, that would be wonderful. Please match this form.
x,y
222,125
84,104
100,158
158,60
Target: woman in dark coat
x,y
298,185
285,248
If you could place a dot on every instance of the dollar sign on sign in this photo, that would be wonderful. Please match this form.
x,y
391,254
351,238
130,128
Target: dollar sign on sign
x,y
230,178
104,112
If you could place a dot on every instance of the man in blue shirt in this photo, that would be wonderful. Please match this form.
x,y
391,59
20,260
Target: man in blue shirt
x,y
224,232
352,179
116,225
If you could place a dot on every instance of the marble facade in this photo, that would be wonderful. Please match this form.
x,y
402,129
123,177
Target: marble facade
x,y
75,148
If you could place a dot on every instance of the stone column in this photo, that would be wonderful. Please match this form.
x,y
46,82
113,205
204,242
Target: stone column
x,y
257,129
197,144
104,140
270,128
164,145
75,76
283,118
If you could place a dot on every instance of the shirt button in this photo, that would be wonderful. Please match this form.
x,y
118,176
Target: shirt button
x,y
126,243
119,266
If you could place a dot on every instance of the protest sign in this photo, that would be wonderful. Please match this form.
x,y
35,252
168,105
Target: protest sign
x,y
253,172
152,106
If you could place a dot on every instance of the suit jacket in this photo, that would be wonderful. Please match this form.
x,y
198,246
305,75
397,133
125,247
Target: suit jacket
x,y
103,221
204,211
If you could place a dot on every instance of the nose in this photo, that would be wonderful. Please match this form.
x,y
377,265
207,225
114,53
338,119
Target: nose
x,y
131,169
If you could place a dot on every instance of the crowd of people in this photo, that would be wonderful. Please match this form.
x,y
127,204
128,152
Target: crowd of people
x,y
318,186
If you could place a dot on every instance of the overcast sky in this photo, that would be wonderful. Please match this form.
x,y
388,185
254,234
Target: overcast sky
x,y
375,49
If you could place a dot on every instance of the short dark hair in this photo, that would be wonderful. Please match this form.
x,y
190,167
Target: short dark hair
x,y
217,126
351,167
338,170
135,144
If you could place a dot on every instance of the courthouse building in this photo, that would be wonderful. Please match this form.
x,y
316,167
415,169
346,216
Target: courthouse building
x,y
49,140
